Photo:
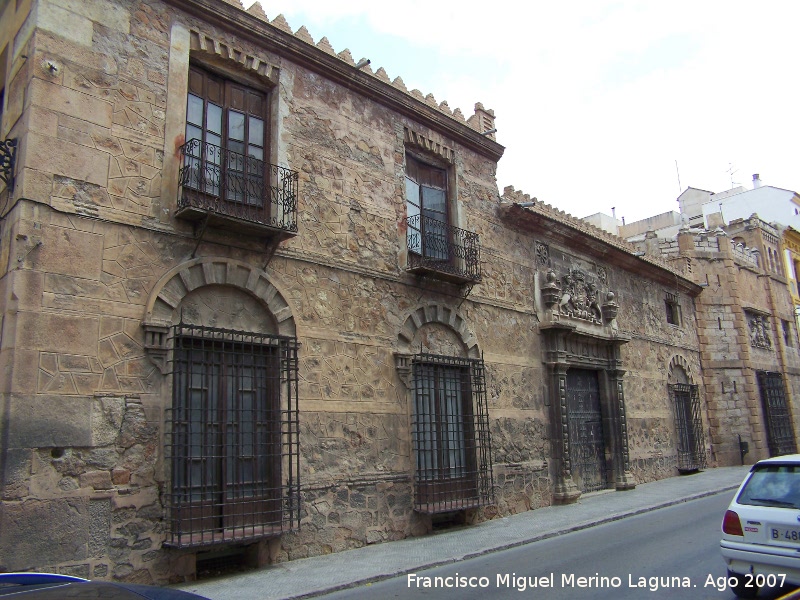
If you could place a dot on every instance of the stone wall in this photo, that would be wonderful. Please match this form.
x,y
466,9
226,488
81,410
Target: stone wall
x,y
99,252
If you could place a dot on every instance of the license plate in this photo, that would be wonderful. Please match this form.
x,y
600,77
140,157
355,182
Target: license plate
x,y
789,535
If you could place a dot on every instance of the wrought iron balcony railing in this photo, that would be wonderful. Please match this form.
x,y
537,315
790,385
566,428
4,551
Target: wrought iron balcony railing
x,y
437,248
227,185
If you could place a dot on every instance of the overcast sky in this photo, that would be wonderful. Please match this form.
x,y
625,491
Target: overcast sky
x,y
596,100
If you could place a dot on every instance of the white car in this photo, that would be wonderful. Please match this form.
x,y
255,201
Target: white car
x,y
761,528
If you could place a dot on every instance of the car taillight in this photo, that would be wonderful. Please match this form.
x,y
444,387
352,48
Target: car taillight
x,y
731,524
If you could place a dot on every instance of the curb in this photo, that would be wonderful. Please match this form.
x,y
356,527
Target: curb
x,y
517,544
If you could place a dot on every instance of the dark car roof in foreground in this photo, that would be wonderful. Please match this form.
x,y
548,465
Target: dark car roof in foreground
x,y
47,586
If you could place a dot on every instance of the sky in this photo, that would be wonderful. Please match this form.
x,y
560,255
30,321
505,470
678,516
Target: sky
x,y
600,104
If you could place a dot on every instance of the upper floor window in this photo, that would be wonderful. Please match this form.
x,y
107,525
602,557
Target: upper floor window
x,y
673,310
228,120
225,172
426,206
434,244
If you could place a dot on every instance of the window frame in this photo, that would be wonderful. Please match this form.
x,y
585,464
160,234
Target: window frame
x,y
211,497
434,177
217,166
451,442
673,310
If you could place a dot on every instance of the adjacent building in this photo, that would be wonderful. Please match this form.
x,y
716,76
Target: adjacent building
x,y
746,315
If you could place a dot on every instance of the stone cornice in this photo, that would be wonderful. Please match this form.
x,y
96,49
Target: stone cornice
x,y
577,235
300,51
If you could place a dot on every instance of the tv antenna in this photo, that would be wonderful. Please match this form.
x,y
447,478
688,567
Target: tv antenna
x,y
731,172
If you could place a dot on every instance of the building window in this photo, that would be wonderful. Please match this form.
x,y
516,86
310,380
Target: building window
x,y
232,436
673,309
688,426
777,414
450,434
426,207
229,123
787,333
433,243
225,172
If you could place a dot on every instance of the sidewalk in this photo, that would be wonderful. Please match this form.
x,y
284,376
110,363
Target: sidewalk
x,y
313,576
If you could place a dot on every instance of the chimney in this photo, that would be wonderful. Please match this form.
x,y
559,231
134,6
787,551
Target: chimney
x,y
756,181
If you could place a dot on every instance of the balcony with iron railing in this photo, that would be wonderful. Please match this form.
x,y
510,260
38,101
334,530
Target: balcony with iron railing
x,y
234,191
442,251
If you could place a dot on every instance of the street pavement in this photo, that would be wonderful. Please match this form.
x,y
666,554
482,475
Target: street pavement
x,y
322,574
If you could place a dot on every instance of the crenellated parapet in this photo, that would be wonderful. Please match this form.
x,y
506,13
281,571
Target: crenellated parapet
x,y
532,204
482,120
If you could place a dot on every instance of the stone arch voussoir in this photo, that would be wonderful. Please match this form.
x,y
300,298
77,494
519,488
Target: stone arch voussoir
x,y
680,361
442,315
170,290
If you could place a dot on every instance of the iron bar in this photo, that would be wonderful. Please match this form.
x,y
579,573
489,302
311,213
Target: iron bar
x,y
433,245
450,434
232,436
218,181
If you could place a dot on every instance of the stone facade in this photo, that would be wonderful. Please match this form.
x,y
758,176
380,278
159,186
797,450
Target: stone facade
x,y
747,334
99,270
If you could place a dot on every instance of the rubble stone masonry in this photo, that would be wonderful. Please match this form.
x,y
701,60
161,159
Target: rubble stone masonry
x,y
91,249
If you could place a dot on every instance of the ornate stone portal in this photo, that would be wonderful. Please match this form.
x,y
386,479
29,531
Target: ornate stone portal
x,y
581,342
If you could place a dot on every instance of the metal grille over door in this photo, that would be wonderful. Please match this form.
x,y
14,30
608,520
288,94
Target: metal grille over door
x,y
450,434
688,427
586,441
780,433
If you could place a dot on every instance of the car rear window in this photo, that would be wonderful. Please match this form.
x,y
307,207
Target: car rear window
x,y
773,485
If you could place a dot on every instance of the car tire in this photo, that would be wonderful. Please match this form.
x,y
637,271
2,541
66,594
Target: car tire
x,y
739,589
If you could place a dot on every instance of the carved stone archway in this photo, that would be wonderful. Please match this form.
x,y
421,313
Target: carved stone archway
x,y
676,365
426,315
179,282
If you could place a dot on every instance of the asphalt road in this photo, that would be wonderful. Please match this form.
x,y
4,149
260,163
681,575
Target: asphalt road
x,y
670,553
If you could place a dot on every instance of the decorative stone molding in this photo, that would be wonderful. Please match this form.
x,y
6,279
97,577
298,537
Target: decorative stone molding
x,y
220,50
679,362
172,288
759,331
551,291
156,344
542,254
579,298
402,362
442,315
610,308
419,141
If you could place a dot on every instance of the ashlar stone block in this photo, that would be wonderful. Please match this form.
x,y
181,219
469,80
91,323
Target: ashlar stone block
x,y
67,526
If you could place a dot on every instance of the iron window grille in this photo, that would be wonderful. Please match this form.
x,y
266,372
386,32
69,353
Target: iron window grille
x,y
780,431
8,158
221,182
436,246
232,437
688,426
450,434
